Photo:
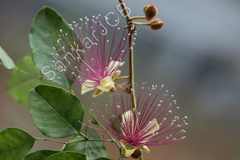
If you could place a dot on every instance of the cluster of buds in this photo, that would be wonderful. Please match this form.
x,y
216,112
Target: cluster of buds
x,y
150,12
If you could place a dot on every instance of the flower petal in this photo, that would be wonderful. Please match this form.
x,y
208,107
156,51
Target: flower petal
x,y
116,74
151,127
97,93
144,148
88,85
128,121
113,65
127,150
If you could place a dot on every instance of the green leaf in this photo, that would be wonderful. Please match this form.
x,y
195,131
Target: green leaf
x,y
6,60
14,143
20,84
55,112
39,155
43,37
116,125
93,156
67,156
87,147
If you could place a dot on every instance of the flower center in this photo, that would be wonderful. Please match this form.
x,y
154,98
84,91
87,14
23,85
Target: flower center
x,y
106,84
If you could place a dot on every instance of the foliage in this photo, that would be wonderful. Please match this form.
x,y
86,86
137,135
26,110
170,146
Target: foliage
x,y
56,112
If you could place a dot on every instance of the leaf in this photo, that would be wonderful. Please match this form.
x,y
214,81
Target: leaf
x,y
87,147
43,37
93,156
55,112
116,125
67,156
39,155
6,60
14,143
20,84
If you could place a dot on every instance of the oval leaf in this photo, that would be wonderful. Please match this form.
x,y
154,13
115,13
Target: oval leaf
x,y
93,156
55,111
67,155
20,84
39,155
14,143
6,60
87,147
43,37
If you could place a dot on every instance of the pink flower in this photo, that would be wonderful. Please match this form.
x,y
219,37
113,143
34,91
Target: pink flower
x,y
92,59
153,124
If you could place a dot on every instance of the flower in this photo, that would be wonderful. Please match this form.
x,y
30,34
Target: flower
x,y
92,59
152,124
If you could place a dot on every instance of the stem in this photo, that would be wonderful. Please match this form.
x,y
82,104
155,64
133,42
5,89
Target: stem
x,y
37,77
97,122
71,91
120,78
45,139
125,11
29,74
137,17
83,135
120,150
131,78
113,140
140,23
97,140
121,85
131,66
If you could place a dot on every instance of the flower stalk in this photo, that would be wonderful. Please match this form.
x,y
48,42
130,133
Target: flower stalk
x,y
131,64
112,139
137,17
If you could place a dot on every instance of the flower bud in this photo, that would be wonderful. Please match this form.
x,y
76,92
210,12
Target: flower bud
x,y
137,154
113,90
150,11
156,24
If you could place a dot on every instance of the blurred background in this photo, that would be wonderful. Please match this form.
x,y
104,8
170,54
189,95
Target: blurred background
x,y
196,55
